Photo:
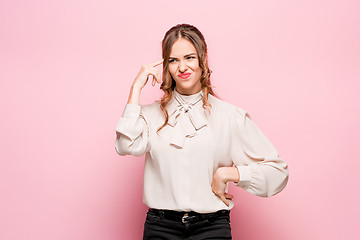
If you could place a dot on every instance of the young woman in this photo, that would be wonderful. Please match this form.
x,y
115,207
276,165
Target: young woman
x,y
195,144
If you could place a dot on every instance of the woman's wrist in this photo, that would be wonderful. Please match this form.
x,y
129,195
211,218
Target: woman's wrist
x,y
134,96
229,174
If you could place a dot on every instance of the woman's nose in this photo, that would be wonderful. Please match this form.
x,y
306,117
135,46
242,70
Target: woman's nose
x,y
182,66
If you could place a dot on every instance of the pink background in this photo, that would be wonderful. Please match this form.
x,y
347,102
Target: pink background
x,y
66,68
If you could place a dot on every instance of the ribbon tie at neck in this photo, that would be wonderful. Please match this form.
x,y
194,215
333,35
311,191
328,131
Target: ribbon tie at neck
x,y
186,118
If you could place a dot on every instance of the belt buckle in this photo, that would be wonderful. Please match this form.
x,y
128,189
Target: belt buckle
x,y
183,219
186,218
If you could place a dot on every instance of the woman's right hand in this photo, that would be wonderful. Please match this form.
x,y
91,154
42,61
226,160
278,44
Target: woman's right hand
x,y
146,70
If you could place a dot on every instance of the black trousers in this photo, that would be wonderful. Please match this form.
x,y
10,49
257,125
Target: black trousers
x,y
157,226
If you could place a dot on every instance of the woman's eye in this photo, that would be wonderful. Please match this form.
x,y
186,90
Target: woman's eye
x,y
190,57
172,60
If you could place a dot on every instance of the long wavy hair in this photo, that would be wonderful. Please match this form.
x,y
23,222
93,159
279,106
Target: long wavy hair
x,y
192,34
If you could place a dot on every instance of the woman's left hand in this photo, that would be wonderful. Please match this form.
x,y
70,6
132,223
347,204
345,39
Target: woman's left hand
x,y
218,184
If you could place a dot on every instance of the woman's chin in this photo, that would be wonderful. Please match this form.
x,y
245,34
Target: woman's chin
x,y
188,87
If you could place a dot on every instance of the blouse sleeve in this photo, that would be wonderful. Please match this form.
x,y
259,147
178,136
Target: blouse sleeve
x,y
262,172
132,132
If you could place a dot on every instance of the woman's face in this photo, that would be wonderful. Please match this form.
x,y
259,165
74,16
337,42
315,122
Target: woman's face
x,y
184,67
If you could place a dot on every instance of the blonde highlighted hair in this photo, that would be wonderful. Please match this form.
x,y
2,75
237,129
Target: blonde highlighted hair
x,y
192,34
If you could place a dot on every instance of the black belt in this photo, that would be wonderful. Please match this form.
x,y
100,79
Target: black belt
x,y
187,216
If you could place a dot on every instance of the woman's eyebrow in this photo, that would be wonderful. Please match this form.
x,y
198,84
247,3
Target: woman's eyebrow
x,y
189,54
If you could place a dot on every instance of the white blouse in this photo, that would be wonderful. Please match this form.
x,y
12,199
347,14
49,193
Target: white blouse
x,y
182,158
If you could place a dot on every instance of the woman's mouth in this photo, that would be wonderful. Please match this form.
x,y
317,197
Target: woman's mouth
x,y
184,75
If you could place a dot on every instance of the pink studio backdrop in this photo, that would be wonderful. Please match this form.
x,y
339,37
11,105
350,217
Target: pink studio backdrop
x,y
66,68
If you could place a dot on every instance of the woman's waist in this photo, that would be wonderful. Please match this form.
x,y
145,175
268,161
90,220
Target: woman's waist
x,y
188,216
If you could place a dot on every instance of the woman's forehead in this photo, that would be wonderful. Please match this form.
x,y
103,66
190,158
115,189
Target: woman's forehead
x,y
182,47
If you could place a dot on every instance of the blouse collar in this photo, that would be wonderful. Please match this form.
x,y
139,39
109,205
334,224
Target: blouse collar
x,y
191,99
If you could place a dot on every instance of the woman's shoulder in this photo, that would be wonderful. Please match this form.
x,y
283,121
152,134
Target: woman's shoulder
x,y
224,107
151,107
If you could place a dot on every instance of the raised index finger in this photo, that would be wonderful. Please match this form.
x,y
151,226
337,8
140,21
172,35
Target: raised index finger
x,y
154,64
